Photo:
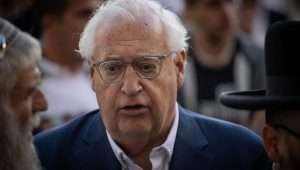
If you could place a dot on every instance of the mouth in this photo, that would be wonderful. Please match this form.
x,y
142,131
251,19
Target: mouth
x,y
134,110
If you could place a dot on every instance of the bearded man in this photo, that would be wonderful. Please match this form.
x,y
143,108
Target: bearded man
x,y
20,98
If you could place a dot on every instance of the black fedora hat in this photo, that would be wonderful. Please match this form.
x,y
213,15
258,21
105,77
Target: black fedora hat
x,y
282,52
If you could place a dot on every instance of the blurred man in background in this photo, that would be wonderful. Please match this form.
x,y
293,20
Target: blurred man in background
x,y
65,76
20,98
220,59
255,18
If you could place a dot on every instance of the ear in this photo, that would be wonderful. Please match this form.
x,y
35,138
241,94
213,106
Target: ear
x,y
270,138
180,62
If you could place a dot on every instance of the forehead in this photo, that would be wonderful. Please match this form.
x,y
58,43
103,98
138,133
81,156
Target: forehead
x,y
128,36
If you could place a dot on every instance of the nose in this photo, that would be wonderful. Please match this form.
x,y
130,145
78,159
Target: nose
x,y
131,84
39,102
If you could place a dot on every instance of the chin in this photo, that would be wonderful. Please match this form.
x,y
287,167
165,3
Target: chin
x,y
135,131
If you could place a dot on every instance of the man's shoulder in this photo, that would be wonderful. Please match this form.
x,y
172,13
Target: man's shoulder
x,y
76,125
59,143
216,129
228,145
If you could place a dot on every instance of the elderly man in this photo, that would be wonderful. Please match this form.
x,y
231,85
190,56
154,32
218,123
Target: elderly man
x,y
20,98
280,99
136,50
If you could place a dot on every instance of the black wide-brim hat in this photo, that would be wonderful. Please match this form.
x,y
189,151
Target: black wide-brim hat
x,y
282,56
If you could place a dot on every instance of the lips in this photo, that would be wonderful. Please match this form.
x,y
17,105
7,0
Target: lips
x,y
134,110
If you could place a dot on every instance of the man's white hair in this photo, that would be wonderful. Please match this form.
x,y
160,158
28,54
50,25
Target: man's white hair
x,y
176,34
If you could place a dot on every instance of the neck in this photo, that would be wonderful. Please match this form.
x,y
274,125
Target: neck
x,y
139,148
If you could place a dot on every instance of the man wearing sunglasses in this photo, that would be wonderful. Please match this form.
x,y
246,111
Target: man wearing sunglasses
x,y
137,53
280,99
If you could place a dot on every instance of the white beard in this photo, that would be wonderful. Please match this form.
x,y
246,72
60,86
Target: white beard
x,y
17,151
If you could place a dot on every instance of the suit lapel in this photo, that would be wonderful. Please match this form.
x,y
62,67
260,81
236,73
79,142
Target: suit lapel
x,y
190,146
94,151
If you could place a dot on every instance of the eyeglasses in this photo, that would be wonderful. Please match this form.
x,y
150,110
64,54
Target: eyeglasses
x,y
3,45
287,129
113,70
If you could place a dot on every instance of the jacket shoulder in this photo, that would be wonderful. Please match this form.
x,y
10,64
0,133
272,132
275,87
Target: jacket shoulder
x,y
222,129
55,145
231,145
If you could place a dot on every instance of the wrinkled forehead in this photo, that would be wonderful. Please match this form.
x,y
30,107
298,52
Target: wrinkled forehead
x,y
125,29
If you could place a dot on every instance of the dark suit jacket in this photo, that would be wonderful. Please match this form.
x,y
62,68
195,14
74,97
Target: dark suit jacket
x,y
201,143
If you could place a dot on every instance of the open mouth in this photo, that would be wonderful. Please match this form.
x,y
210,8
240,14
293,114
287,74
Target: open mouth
x,y
133,107
134,110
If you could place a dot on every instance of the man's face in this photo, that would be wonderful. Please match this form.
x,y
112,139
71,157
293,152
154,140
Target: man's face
x,y
71,24
282,138
289,144
212,16
27,99
289,147
136,107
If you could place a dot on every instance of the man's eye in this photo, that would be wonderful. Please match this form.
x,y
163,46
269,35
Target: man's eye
x,y
111,68
147,67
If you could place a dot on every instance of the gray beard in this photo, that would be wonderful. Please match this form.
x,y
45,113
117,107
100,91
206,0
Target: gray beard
x,y
17,151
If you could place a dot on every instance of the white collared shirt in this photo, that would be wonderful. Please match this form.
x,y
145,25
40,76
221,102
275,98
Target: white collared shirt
x,y
160,156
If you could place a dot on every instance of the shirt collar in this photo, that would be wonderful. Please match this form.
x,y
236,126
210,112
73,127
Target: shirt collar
x,y
168,145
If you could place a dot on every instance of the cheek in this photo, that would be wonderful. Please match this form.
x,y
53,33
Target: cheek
x,y
106,97
24,112
103,92
163,93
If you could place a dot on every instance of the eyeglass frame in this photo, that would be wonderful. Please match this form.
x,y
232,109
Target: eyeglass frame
x,y
160,58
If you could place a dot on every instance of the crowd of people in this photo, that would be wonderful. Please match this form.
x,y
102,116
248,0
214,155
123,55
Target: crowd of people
x,y
133,84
